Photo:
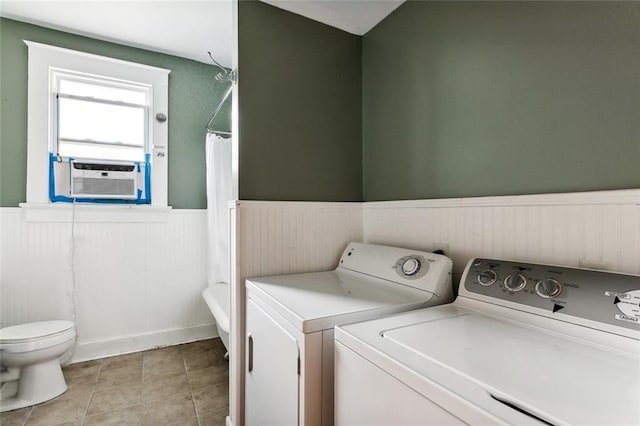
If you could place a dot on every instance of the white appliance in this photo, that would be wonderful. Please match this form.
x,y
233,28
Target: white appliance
x,y
104,180
290,320
522,344
30,357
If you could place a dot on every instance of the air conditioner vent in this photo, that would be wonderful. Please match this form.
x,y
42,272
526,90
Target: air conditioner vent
x,y
111,187
104,180
105,167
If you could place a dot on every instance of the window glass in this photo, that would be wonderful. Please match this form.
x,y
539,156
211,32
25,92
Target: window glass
x,y
110,93
83,150
94,129
100,122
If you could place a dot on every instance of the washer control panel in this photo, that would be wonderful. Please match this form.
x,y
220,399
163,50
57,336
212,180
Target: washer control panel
x,y
606,297
411,267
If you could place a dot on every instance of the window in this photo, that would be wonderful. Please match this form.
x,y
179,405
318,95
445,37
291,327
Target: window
x,y
87,116
100,119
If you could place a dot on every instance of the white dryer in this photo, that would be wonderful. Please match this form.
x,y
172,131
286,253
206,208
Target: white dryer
x,y
522,344
290,321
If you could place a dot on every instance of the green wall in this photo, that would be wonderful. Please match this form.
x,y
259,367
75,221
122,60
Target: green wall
x,y
489,98
193,96
299,108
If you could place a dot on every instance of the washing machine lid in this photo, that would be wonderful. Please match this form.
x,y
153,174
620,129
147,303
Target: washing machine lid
x,y
320,300
33,330
554,378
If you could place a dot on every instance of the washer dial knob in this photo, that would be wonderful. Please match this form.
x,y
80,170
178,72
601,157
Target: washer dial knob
x,y
515,282
411,266
548,288
487,277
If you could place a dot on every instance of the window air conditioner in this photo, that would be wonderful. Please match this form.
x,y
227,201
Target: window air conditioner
x,y
104,180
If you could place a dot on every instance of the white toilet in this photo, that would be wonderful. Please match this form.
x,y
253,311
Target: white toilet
x,y
30,362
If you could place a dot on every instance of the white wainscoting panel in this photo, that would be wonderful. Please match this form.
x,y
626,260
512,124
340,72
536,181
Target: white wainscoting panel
x,y
289,237
134,285
597,229
273,238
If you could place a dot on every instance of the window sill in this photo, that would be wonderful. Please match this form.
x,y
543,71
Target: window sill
x,y
47,212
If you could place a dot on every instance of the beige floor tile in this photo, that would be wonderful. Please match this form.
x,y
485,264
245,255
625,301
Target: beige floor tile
x,y
129,416
201,345
162,354
163,368
65,411
79,386
219,346
125,376
112,390
170,412
212,346
201,360
214,418
89,368
15,417
211,398
115,399
213,375
122,361
175,386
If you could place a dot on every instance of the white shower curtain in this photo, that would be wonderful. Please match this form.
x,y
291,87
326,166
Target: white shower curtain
x,y
218,152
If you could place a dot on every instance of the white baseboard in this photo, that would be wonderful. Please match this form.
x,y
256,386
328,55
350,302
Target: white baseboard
x,y
141,342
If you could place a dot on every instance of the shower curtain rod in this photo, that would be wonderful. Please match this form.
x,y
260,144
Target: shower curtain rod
x,y
215,113
225,74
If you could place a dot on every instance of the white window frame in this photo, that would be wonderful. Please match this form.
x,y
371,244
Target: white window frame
x,y
44,61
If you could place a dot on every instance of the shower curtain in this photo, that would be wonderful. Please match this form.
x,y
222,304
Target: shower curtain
x,y
218,151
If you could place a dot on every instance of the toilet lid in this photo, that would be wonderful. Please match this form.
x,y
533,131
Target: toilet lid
x,y
33,330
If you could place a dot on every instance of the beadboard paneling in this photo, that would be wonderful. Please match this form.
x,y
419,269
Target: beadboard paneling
x,y
132,279
288,237
581,229
274,238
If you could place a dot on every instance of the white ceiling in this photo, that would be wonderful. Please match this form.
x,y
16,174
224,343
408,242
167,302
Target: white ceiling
x,y
186,28
352,16
183,28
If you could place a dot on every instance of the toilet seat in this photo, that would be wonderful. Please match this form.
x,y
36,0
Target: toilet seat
x,y
31,336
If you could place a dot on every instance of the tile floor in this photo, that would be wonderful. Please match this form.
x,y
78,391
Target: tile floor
x,y
178,385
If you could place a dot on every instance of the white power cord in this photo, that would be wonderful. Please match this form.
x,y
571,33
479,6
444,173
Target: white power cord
x,y
72,260
71,288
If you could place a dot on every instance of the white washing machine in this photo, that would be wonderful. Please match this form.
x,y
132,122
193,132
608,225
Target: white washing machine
x,y
290,320
522,344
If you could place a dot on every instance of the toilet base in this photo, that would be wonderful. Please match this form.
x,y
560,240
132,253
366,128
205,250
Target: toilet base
x,y
38,383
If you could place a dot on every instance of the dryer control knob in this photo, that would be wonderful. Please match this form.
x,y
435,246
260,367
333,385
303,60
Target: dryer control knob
x,y
487,277
411,266
515,282
548,288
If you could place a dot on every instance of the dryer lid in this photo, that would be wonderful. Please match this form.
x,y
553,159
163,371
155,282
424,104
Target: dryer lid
x,y
320,300
33,330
